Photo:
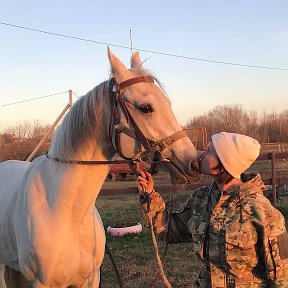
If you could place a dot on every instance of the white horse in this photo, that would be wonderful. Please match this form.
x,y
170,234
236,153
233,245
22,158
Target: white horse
x,y
50,230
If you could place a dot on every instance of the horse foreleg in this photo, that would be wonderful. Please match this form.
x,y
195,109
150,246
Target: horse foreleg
x,y
2,278
92,282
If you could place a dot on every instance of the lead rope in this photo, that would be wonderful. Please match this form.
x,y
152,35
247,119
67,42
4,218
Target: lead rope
x,y
159,261
168,235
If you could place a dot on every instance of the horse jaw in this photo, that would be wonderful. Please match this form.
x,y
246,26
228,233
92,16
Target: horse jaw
x,y
178,174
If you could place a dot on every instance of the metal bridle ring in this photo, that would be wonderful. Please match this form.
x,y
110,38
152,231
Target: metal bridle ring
x,y
157,157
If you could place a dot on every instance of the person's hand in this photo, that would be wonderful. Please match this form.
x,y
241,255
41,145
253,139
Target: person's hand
x,y
150,201
145,188
145,182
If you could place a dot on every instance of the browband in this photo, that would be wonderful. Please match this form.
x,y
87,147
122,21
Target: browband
x,y
133,81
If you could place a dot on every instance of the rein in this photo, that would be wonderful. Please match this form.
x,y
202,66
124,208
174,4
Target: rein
x,y
168,235
146,199
90,162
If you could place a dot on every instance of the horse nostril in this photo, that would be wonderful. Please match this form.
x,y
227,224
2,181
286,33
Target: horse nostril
x,y
193,167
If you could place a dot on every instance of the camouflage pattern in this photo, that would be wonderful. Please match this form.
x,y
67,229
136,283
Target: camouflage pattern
x,y
239,236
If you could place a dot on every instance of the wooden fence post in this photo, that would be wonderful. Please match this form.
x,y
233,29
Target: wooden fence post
x,y
51,128
273,168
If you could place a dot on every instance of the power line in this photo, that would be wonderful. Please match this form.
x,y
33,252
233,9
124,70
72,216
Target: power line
x,y
32,99
75,94
145,50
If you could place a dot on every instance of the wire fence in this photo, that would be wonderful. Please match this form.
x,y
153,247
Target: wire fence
x,y
214,61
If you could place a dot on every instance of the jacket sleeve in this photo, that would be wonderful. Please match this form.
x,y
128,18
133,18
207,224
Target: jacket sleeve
x,y
274,242
174,229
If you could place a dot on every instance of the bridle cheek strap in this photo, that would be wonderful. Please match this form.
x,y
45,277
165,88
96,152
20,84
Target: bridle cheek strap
x,y
116,127
118,103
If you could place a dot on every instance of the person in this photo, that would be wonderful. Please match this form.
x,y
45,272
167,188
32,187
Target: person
x,y
240,238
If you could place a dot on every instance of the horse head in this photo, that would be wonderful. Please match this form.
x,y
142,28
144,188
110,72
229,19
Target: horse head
x,y
146,126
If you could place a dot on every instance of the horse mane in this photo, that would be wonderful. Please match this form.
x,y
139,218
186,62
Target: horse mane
x,y
84,122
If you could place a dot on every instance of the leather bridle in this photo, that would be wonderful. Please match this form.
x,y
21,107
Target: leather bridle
x,y
116,127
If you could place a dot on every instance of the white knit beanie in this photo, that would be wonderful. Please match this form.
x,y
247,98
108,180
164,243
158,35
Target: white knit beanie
x,y
235,151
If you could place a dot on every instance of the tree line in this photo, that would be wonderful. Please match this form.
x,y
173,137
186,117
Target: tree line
x,y
18,141
265,127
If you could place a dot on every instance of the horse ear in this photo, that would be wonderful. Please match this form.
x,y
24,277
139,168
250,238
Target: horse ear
x,y
135,60
117,67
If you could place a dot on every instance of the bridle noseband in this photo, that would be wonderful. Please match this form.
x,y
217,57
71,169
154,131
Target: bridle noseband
x,y
116,127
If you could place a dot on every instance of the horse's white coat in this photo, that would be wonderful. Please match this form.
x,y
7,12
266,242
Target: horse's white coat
x,y
2,280
50,229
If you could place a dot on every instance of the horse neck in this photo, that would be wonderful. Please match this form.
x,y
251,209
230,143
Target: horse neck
x,y
77,190
79,185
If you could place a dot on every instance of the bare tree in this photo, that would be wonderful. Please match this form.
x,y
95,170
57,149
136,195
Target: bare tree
x,y
39,129
17,142
269,127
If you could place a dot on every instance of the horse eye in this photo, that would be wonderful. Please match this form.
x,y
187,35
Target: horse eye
x,y
146,108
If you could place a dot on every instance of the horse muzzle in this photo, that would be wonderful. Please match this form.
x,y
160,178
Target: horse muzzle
x,y
190,172
179,173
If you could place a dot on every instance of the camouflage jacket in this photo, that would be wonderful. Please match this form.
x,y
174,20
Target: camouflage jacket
x,y
239,236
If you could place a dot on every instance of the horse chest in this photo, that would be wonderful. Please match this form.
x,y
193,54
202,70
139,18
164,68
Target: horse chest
x,y
66,255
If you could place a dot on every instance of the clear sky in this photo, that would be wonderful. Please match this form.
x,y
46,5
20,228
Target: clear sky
x,y
248,32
